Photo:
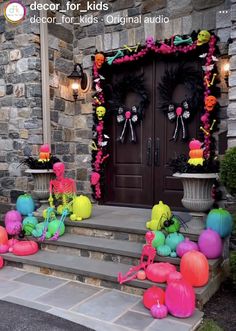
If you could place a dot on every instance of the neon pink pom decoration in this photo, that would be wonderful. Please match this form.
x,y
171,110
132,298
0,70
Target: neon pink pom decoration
x,y
158,272
210,244
186,246
180,299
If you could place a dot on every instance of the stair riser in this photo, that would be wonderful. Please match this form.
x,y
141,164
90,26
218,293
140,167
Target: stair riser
x,y
112,234
113,257
214,283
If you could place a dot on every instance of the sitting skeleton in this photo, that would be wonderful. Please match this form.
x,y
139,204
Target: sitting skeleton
x,y
63,189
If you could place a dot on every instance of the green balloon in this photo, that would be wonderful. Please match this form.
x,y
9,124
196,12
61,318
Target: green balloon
x,y
159,239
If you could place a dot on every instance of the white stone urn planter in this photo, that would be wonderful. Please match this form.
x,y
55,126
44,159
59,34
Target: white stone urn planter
x,y
42,178
197,196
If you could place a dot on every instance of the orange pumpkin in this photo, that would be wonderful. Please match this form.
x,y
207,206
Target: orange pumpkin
x,y
3,236
195,268
196,153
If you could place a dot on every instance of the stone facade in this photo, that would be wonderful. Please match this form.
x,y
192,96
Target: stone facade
x,y
71,123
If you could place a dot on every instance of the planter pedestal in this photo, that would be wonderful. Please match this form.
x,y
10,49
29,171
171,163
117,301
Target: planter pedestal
x,y
42,178
197,196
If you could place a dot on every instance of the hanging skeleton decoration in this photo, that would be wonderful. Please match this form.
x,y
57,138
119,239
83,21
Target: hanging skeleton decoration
x,y
179,114
128,117
182,112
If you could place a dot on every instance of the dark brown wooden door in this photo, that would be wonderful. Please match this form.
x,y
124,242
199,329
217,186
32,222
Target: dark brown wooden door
x,y
137,174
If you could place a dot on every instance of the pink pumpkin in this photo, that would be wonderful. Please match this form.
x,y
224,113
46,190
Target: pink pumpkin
x,y
174,275
159,311
1,262
186,246
210,244
23,248
152,295
195,144
180,298
4,248
13,221
158,272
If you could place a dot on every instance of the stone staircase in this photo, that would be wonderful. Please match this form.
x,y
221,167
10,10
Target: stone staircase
x,y
95,250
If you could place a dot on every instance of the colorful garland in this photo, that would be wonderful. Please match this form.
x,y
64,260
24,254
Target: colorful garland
x,y
203,44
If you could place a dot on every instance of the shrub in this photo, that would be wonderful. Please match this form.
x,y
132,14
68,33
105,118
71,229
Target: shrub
x,y
228,170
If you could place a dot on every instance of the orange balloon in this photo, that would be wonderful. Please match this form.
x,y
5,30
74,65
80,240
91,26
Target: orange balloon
x,y
3,236
195,268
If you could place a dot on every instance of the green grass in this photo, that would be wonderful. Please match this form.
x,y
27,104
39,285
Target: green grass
x,y
209,325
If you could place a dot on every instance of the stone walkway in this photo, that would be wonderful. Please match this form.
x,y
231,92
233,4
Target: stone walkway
x,y
95,307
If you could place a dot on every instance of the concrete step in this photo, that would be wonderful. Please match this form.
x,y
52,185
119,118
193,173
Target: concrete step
x,y
101,273
120,223
109,250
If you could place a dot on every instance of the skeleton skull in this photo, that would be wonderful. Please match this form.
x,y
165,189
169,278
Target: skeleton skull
x,y
210,102
99,60
203,37
59,169
100,111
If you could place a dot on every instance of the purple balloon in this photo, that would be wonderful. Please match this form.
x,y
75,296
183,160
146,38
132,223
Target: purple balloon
x,y
210,244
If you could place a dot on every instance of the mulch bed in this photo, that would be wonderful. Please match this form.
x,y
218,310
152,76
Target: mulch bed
x,y
222,307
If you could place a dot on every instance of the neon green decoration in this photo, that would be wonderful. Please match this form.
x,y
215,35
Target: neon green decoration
x,y
160,213
159,239
81,208
53,227
163,250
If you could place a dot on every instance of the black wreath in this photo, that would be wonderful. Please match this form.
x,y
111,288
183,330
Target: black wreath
x,y
186,109
125,115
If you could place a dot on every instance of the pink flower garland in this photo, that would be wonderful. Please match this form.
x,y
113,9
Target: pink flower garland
x,y
205,118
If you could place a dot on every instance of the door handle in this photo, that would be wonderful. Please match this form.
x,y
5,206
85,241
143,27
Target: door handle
x,y
157,153
149,152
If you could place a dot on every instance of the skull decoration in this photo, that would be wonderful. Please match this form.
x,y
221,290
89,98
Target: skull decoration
x,y
99,60
210,102
203,37
100,111
150,41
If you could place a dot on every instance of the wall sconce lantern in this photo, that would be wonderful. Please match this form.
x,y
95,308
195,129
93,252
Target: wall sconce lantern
x,y
79,80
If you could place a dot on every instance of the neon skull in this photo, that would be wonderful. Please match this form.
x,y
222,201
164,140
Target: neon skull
x,y
210,102
99,60
203,37
59,169
100,111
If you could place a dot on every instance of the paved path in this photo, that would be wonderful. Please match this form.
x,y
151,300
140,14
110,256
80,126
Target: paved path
x,y
95,307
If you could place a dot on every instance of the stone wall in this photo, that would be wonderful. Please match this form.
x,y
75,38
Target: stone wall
x,y
184,16
71,123
20,105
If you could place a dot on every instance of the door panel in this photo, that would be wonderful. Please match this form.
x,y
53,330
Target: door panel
x,y
138,174
129,170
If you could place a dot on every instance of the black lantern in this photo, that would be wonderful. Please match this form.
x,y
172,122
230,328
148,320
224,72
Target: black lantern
x,y
79,78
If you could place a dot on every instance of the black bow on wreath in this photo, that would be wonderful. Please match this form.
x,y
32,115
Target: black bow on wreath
x,y
179,114
128,116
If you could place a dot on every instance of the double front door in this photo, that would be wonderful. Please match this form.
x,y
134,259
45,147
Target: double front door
x,y
137,174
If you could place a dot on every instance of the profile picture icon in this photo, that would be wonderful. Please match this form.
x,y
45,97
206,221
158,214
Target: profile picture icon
x,y
14,11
